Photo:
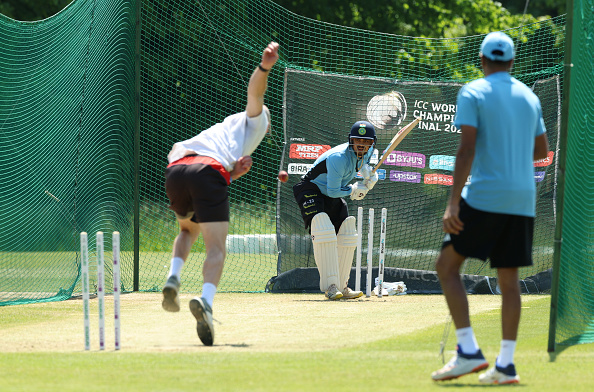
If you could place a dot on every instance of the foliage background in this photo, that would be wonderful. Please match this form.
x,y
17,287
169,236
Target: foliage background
x,y
414,17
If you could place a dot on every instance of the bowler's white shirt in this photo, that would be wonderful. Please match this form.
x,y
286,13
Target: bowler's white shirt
x,y
236,136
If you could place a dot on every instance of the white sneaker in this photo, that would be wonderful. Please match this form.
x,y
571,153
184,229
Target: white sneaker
x,y
461,365
203,314
333,292
170,294
498,375
347,293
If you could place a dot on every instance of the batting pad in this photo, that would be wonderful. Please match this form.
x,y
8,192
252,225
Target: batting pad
x,y
325,252
347,243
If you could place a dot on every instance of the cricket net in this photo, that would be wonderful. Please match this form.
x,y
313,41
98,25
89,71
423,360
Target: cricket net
x,y
92,101
572,302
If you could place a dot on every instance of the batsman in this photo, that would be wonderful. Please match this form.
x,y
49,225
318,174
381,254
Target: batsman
x,y
320,195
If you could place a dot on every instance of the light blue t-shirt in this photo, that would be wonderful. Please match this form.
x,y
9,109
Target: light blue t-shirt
x,y
334,169
508,117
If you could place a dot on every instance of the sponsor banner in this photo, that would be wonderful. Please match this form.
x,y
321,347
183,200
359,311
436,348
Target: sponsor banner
x,y
442,162
545,162
439,179
539,176
435,116
402,158
402,176
307,151
381,174
299,168
374,158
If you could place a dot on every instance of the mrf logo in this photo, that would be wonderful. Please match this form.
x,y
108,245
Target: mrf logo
x,y
307,151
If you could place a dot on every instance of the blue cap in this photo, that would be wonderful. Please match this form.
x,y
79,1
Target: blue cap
x,y
498,46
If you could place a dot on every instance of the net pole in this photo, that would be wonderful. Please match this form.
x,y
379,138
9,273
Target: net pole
x,y
136,268
561,179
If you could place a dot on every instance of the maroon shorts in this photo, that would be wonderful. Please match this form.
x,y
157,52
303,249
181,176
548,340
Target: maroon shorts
x,y
197,190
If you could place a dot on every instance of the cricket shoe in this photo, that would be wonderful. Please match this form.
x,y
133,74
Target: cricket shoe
x,y
333,292
203,314
461,365
170,294
347,293
499,375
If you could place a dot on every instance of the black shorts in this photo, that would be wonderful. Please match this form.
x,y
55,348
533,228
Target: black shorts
x,y
503,238
197,191
312,201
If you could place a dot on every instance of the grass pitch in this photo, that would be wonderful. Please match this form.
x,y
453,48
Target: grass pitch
x,y
263,342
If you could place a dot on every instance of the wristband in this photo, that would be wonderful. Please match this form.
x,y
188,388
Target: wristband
x,y
262,68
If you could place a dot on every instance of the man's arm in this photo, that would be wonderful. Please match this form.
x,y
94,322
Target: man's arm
x,y
464,157
242,166
259,80
541,147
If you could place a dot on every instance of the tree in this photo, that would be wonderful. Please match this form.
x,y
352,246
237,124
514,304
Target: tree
x,y
550,8
31,10
419,18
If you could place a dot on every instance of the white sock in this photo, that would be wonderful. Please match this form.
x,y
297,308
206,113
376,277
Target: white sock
x,y
208,293
506,353
176,266
467,340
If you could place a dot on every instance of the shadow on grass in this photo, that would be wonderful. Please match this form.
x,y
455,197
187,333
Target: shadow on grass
x,y
562,346
460,385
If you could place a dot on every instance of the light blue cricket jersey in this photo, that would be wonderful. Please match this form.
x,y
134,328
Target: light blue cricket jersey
x,y
508,117
334,169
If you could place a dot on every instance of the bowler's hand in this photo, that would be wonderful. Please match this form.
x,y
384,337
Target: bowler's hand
x,y
451,222
242,166
270,55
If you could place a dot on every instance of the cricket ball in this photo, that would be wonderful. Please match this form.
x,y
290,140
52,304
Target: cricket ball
x,y
283,176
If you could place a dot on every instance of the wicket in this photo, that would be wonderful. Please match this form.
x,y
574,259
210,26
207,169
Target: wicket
x,y
382,251
369,253
84,253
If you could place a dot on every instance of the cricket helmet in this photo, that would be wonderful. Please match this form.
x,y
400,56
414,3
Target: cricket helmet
x,y
362,130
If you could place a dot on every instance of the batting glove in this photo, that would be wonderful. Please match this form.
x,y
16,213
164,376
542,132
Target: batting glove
x,y
358,191
371,181
366,171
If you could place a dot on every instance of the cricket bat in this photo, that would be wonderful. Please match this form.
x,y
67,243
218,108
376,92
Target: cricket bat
x,y
395,142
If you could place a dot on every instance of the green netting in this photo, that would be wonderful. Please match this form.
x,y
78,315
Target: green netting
x,y
67,123
575,305
66,131
197,58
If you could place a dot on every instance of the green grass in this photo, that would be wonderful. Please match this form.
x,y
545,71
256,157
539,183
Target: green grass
x,y
243,272
158,226
275,342
44,274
